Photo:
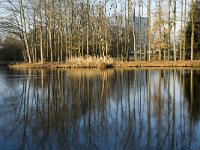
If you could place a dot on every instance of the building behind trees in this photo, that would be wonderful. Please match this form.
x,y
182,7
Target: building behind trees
x,y
56,31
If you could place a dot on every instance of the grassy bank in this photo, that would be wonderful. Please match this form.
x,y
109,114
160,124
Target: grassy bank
x,y
158,64
107,63
80,62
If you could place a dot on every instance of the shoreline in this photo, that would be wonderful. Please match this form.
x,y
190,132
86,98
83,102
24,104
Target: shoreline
x,y
114,64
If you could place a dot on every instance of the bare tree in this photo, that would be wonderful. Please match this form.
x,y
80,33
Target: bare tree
x,y
181,32
149,29
56,30
169,28
174,12
185,21
41,32
24,29
192,36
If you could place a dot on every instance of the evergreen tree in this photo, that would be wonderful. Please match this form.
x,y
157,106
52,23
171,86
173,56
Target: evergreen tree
x,y
195,11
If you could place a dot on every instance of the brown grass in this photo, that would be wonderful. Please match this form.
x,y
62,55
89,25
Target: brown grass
x,y
195,63
90,62
93,62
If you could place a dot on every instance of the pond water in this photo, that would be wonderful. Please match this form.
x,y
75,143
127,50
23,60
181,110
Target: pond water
x,y
99,109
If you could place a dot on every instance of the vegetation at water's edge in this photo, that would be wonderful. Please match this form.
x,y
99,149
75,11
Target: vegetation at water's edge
x,y
106,63
54,31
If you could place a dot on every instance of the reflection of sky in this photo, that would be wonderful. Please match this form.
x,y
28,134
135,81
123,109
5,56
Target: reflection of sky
x,y
117,112
9,87
118,123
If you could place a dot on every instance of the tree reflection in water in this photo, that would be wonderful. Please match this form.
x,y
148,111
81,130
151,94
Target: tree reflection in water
x,y
100,109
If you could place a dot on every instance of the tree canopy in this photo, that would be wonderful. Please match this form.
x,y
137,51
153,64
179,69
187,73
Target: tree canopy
x,y
58,30
11,49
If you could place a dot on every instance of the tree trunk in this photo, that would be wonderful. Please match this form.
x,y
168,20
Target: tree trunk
x,y
128,30
87,28
192,36
181,39
23,18
41,33
174,30
169,29
160,32
185,21
149,29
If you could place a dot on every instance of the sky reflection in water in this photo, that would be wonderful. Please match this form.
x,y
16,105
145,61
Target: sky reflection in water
x,y
99,109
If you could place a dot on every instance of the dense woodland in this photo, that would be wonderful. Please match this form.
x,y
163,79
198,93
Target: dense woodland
x,y
58,30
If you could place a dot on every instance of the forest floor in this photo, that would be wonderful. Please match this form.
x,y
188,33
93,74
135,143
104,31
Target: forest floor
x,y
109,64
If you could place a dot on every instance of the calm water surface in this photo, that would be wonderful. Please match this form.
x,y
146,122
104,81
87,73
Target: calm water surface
x,y
99,109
